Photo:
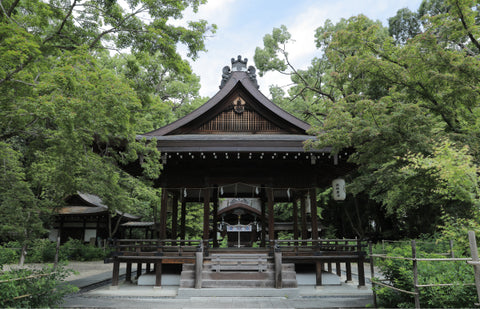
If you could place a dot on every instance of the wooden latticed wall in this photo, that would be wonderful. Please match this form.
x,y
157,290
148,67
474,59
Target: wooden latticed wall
x,y
231,121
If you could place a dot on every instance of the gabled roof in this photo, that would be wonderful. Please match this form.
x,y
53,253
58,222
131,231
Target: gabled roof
x,y
240,80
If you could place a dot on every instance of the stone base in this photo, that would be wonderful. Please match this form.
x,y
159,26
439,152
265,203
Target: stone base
x,y
238,292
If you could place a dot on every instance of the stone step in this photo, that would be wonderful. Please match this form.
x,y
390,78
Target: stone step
x,y
286,283
270,266
238,292
254,275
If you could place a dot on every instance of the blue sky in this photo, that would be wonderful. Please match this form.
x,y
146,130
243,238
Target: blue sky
x,y
242,25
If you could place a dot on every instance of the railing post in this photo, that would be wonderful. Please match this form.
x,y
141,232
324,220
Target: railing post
x,y
360,266
199,266
372,273
415,274
278,267
474,252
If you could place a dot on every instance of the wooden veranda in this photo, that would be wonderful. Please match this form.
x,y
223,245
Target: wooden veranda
x,y
322,253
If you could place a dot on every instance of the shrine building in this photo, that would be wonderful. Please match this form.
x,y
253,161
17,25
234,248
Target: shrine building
x,y
238,155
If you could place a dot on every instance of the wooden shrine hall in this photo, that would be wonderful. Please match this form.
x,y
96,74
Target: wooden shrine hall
x,y
238,155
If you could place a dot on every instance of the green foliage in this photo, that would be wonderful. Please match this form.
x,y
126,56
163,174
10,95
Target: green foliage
x,y
406,107
76,250
70,112
34,288
399,273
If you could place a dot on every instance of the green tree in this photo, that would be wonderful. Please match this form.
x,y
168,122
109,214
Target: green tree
x,y
68,117
390,103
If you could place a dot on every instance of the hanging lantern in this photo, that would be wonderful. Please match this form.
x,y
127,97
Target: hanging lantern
x,y
339,193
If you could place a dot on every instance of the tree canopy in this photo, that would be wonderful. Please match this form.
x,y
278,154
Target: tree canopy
x,y
79,80
403,100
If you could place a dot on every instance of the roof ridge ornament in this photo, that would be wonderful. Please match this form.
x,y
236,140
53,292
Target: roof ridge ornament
x,y
238,65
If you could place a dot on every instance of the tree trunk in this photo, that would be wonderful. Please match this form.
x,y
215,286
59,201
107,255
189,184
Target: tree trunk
x,y
23,253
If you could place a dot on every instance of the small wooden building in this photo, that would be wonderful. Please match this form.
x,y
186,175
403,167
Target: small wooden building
x,y
86,218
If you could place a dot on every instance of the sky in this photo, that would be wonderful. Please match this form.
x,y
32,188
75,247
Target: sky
x,y
242,24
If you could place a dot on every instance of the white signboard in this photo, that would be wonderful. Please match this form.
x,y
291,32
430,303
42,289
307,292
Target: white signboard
x,y
239,228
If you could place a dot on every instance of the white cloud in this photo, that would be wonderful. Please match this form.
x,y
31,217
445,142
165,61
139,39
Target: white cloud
x,y
243,23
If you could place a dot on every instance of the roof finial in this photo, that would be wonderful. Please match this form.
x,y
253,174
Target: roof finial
x,y
239,64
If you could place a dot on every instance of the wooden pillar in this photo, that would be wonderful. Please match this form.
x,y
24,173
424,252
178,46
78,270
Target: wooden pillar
x,y
215,219
304,217
183,219
116,272
313,204
206,213
139,270
271,216
361,266
163,214
158,274
295,219
128,274
318,272
174,216
348,269
263,220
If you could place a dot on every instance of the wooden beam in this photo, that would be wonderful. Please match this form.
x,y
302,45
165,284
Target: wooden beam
x,y
318,273
183,216
303,212
174,216
215,217
313,204
163,214
158,274
263,220
271,216
295,219
206,213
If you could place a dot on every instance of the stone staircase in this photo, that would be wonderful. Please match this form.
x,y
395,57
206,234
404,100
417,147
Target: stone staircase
x,y
238,271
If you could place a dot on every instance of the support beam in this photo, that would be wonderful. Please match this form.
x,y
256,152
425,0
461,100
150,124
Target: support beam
x,y
263,220
304,217
128,274
215,218
116,272
295,219
158,274
206,214
318,272
163,214
183,216
174,217
271,216
313,203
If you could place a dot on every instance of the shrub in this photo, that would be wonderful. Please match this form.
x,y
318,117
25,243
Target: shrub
x,y
41,251
75,250
8,255
33,288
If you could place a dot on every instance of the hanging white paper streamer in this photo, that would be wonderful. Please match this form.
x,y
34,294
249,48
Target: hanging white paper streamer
x,y
288,193
185,192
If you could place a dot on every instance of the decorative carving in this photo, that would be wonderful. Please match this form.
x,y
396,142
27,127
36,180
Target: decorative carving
x,y
238,65
253,77
226,73
239,105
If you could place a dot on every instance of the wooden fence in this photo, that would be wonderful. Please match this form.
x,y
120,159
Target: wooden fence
x,y
474,261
